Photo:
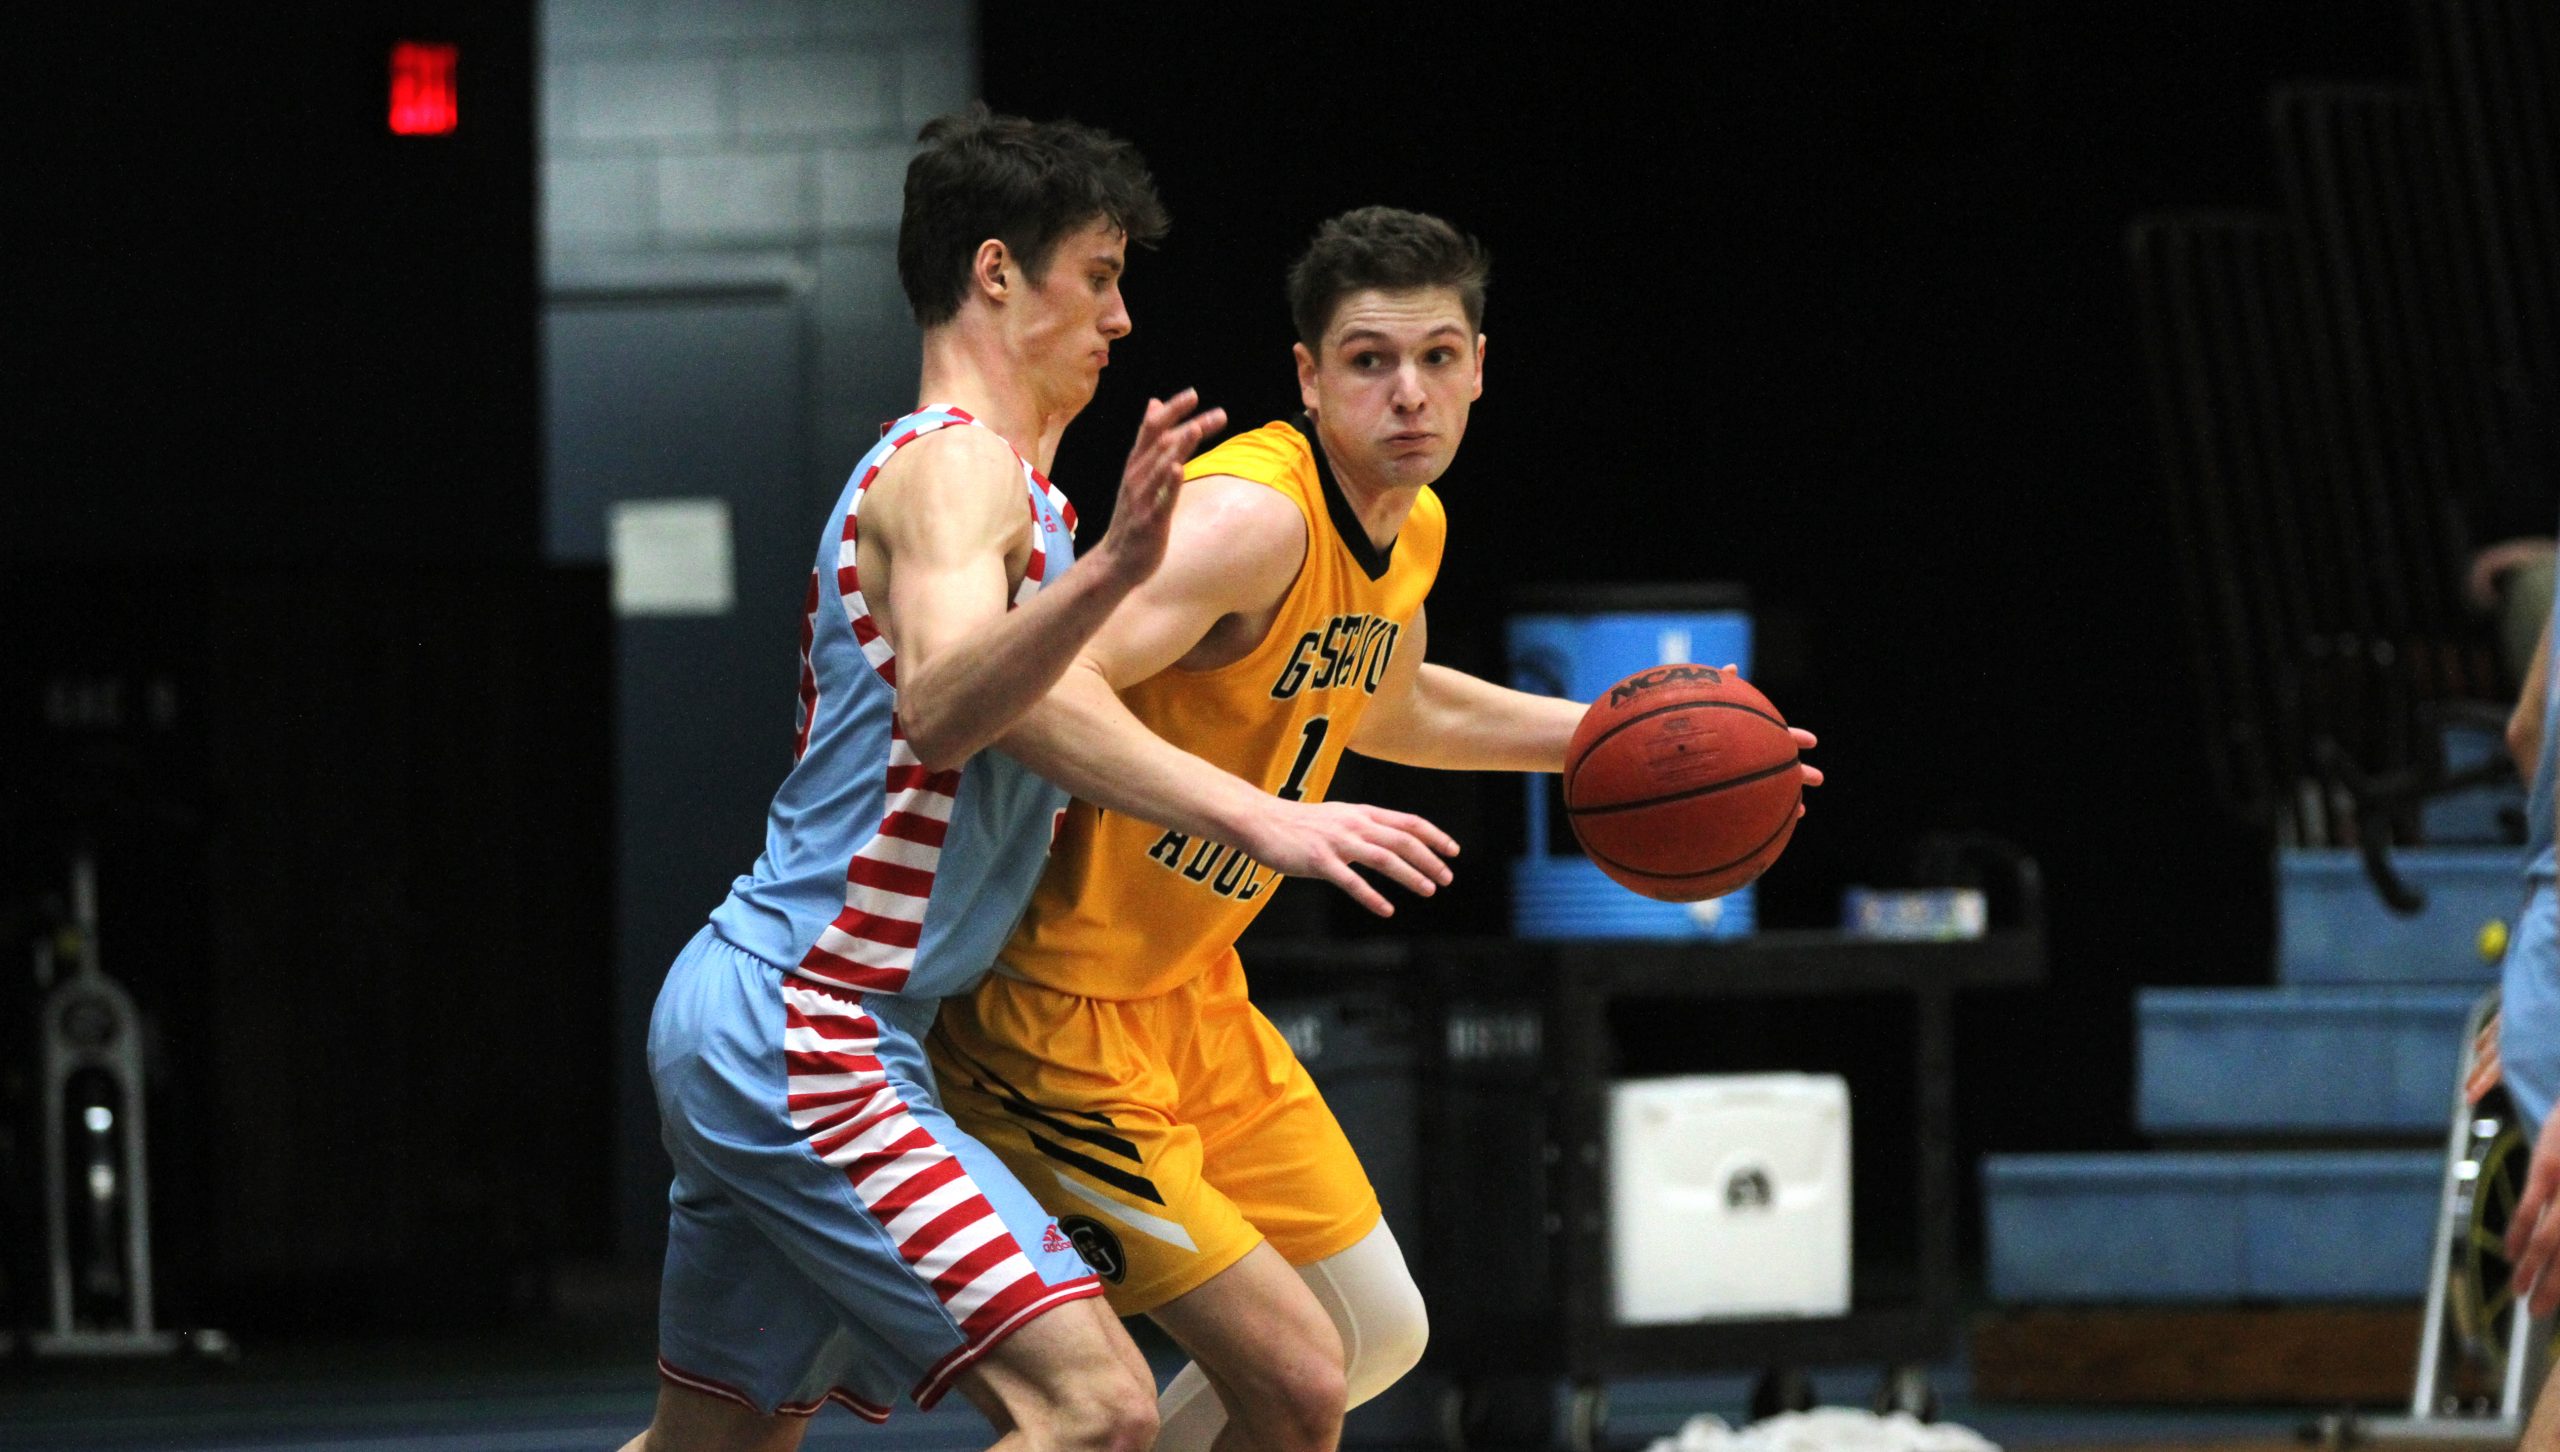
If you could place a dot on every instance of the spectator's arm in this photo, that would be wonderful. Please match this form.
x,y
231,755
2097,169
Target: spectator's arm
x,y
2542,1434
2480,583
2533,1235
2524,724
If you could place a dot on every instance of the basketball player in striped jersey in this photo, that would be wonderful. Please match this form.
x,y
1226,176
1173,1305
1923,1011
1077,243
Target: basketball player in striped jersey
x,y
1113,1058
832,1235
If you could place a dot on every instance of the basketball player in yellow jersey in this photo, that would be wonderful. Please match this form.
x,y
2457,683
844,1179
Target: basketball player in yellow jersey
x,y
1112,1058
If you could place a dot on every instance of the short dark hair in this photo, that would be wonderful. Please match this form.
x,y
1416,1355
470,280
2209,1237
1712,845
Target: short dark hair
x,y
1388,248
1025,183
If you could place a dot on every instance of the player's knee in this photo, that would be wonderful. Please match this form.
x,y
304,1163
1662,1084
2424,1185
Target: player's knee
x,y
1134,1420
1369,1292
1394,1330
1104,1414
773,1434
689,1421
1304,1403
1128,1419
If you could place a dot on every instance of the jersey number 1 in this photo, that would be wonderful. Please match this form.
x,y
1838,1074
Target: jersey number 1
x,y
1311,742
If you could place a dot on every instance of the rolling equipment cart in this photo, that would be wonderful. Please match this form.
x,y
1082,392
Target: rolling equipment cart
x,y
1515,1046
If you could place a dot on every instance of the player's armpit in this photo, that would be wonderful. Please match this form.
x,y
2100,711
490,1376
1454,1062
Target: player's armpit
x,y
944,534
946,540
1229,550
937,527
1235,550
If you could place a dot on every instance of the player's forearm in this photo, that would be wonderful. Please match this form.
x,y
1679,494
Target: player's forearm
x,y
2524,724
1082,737
970,693
1459,722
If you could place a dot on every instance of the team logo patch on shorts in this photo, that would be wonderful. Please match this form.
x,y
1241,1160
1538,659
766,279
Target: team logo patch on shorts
x,y
1100,1248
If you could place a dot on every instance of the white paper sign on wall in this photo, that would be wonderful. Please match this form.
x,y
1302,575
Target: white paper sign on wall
x,y
671,557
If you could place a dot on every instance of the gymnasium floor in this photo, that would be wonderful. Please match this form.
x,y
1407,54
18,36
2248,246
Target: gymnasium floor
x,y
588,1388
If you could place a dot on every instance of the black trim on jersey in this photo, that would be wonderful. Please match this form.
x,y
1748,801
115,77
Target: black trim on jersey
x,y
1373,561
1025,1109
1138,1185
1013,1101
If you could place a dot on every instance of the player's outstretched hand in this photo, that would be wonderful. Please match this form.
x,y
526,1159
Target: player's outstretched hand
x,y
1329,839
1805,741
1143,518
2533,1235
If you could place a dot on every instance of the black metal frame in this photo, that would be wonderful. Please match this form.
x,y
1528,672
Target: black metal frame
x,y
1548,1312
1588,977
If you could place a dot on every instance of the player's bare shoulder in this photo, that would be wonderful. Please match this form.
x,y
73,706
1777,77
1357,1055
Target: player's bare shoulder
x,y
1246,535
957,475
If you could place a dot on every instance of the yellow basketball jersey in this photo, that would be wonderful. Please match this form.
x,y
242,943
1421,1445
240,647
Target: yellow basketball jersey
x,y
1127,909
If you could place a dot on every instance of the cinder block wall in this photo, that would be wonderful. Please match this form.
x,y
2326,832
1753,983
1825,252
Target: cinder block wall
x,y
725,143
719,175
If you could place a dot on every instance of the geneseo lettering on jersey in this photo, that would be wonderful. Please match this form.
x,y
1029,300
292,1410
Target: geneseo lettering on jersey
x,y
1623,691
1350,649
1214,865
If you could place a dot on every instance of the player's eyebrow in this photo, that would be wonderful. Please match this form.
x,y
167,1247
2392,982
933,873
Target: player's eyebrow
x,y
1373,335
1105,259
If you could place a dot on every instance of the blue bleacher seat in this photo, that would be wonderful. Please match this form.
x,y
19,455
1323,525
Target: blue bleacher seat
x,y
2347,1059
2211,1227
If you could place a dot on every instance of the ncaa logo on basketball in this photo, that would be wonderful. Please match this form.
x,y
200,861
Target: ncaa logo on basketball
x,y
1100,1248
1633,686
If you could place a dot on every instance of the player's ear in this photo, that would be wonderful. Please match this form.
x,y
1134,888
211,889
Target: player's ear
x,y
992,271
1478,391
1306,376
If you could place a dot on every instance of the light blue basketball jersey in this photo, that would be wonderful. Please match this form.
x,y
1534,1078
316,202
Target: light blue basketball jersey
x,y
877,874
2538,829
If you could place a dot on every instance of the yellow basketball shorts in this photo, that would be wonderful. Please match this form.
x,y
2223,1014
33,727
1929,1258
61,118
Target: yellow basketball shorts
x,y
1169,1135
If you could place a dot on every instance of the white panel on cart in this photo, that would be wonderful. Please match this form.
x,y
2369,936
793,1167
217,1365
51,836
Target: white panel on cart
x,y
1729,1197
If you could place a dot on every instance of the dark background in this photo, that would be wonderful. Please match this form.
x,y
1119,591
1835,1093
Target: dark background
x,y
282,658
1830,300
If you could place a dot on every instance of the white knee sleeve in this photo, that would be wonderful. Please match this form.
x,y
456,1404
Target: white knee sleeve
x,y
1375,1307
1374,1303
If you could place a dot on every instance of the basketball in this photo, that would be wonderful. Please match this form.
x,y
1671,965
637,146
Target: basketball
x,y
1681,782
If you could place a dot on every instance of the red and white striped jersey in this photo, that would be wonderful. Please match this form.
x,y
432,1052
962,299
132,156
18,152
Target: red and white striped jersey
x,y
878,875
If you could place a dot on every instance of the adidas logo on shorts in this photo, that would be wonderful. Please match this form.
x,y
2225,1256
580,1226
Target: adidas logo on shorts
x,y
1053,1240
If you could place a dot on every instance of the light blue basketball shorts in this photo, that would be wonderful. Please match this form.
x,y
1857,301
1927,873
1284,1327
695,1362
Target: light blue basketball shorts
x,y
831,1235
2529,1007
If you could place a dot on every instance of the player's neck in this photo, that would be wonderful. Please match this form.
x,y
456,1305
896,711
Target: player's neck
x,y
991,391
1382,508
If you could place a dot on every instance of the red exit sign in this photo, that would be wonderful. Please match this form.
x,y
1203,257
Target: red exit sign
x,y
422,94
